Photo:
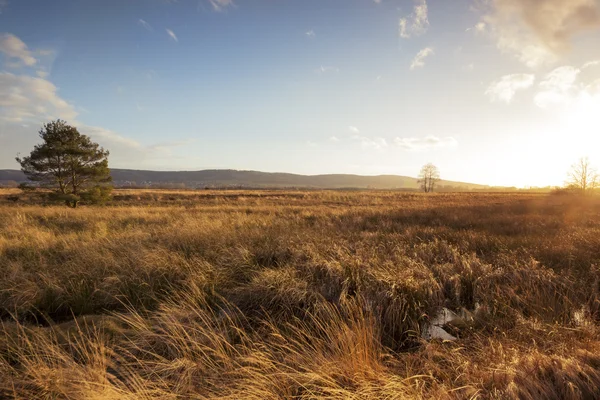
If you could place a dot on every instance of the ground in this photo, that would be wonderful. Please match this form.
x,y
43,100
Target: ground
x,y
300,295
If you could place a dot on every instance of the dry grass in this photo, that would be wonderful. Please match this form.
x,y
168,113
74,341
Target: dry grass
x,y
299,295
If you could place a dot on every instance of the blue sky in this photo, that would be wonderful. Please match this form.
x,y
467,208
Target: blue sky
x,y
503,92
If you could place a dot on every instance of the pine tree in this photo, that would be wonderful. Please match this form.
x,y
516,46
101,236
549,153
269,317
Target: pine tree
x,y
68,162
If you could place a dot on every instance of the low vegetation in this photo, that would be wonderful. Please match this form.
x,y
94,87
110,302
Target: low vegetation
x,y
299,295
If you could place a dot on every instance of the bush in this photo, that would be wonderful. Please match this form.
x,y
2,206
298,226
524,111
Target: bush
x,y
71,200
26,187
97,195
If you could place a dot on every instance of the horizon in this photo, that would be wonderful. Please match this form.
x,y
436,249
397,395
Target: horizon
x,y
442,180
497,92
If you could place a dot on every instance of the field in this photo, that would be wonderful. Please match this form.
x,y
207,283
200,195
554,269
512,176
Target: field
x,y
300,295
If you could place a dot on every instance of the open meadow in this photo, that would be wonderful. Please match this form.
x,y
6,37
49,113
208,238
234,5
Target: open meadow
x,y
300,295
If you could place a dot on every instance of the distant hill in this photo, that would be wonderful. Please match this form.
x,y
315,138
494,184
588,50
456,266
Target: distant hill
x,y
256,179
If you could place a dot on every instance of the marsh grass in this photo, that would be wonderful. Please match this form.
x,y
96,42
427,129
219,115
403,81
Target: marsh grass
x,y
300,295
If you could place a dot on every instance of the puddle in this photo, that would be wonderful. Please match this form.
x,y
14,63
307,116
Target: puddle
x,y
434,329
436,332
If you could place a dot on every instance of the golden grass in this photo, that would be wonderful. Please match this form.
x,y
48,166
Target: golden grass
x,y
299,295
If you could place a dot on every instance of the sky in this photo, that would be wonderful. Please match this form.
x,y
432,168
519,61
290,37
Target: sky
x,y
499,92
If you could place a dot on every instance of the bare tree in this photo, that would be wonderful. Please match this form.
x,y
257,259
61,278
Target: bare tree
x,y
583,176
428,177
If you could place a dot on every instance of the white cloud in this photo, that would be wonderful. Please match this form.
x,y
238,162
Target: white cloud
x,y
125,150
144,24
42,74
377,143
14,48
416,23
29,101
311,34
590,64
419,60
3,5
526,49
26,102
505,89
558,87
334,139
108,138
220,5
561,78
27,98
426,143
538,31
172,35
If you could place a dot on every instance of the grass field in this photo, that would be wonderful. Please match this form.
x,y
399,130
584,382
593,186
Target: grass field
x,y
300,295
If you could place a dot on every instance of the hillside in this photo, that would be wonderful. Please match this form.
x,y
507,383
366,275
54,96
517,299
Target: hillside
x,y
255,179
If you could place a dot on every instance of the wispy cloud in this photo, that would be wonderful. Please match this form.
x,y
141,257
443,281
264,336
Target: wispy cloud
x,y
480,27
428,142
144,24
28,101
221,5
468,67
419,60
311,34
3,5
326,69
166,147
354,129
558,87
149,74
590,64
45,52
416,23
172,35
505,88
14,48
108,137
377,143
